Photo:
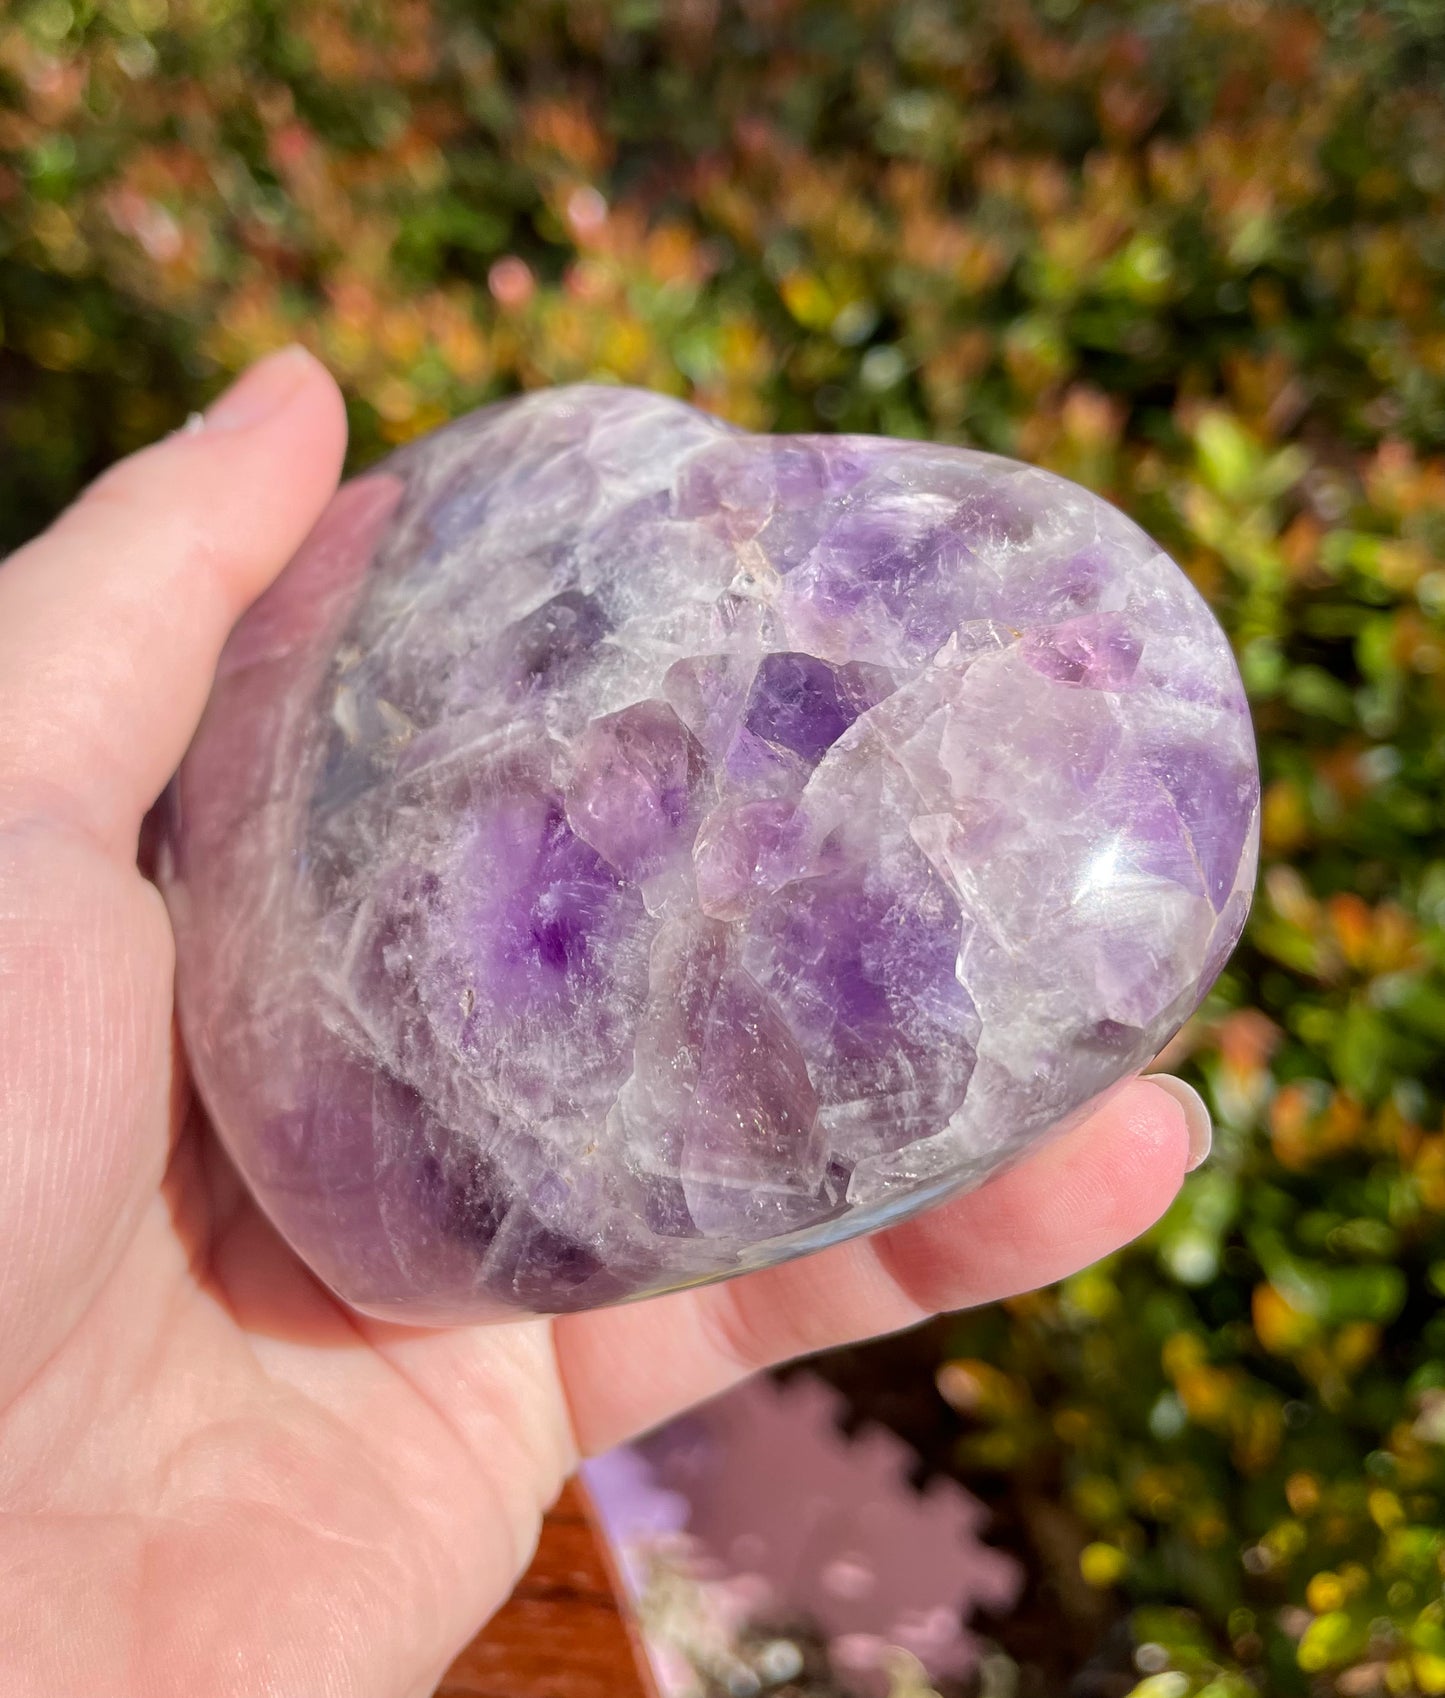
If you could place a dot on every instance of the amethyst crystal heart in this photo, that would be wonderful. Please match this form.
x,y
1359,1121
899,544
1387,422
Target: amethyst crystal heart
x,y
621,851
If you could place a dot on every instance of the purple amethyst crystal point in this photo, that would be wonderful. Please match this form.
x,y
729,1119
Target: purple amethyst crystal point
x,y
620,851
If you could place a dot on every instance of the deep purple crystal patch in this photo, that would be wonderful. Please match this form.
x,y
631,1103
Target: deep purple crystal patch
x,y
621,851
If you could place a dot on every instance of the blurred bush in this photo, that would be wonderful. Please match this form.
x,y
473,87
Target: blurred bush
x,y
1192,254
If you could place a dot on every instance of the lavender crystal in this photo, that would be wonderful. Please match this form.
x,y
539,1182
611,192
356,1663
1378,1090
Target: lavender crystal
x,y
621,851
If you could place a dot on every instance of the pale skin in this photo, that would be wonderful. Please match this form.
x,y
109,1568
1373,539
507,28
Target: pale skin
x,y
214,1478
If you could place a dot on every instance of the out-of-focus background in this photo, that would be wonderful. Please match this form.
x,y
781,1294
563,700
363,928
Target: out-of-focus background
x,y
1191,254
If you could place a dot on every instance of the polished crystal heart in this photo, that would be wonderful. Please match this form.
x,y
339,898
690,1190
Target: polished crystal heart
x,y
621,851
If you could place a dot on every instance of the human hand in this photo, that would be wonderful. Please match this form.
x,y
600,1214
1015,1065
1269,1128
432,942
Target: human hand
x,y
213,1476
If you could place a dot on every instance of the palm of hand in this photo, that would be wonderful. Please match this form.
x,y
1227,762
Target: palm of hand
x,y
213,1476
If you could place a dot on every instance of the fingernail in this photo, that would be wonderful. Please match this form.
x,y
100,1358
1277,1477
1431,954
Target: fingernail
x,y
1196,1115
261,392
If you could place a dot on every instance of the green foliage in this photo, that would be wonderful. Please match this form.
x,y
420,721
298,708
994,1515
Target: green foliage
x,y
1192,254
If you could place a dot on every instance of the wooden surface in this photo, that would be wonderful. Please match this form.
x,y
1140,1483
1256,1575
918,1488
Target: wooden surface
x,y
565,1632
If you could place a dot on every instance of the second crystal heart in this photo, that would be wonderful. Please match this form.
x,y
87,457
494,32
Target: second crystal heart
x,y
621,851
